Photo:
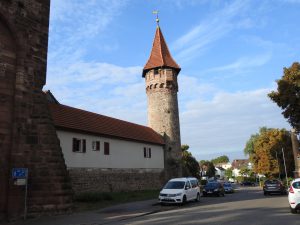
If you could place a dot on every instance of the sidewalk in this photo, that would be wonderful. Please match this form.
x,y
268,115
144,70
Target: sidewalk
x,y
103,216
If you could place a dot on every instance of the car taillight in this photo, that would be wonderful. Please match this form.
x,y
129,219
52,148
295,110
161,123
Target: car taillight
x,y
291,190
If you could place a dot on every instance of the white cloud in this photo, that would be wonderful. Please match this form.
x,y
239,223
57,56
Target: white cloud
x,y
244,63
225,122
210,30
73,23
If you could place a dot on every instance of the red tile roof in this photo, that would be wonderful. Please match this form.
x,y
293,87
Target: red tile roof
x,y
77,120
160,55
239,163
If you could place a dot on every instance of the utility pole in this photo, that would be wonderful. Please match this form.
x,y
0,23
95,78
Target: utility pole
x,y
287,183
296,153
278,166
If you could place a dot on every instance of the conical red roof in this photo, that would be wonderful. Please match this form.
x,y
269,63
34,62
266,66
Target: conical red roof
x,y
160,55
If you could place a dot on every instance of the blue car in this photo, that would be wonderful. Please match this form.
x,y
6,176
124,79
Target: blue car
x,y
228,187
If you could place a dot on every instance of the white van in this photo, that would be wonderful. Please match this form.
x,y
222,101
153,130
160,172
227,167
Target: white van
x,y
180,190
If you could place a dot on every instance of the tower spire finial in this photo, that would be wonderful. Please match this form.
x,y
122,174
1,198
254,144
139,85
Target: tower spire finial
x,y
157,19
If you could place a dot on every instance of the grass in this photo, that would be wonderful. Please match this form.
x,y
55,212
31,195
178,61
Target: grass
x,y
98,200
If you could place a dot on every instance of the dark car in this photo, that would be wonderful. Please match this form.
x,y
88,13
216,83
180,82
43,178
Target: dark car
x,y
247,183
213,188
228,187
274,186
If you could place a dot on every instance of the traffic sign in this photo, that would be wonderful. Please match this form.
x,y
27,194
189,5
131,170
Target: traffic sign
x,y
18,173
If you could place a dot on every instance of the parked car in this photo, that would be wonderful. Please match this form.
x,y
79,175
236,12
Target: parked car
x,y
294,195
274,186
180,190
228,188
213,188
247,183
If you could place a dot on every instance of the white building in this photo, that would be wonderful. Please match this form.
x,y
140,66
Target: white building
x,y
104,153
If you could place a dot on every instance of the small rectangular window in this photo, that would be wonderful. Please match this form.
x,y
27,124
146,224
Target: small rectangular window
x,y
106,148
76,145
96,145
79,145
147,152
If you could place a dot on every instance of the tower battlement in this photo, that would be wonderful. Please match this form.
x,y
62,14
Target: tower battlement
x,y
158,79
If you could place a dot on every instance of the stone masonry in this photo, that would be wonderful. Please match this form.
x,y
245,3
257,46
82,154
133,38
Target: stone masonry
x,y
27,134
163,115
115,180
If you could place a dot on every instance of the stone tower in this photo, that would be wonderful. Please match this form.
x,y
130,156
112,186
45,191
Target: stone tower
x,y
160,73
27,134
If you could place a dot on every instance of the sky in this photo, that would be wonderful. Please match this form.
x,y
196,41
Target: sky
x,y
231,54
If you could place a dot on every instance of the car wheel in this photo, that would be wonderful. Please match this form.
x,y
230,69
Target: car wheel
x,y
198,197
293,211
265,193
204,194
183,200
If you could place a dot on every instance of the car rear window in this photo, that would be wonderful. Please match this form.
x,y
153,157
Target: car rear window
x,y
227,185
211,185
175,185
272,182
296,185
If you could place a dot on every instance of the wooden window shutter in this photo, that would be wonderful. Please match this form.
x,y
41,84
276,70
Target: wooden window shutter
x,y
149,152
106,148
74,145
83,145
97,145
145,152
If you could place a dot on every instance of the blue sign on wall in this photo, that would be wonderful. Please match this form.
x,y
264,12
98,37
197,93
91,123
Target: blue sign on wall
x,y
19,173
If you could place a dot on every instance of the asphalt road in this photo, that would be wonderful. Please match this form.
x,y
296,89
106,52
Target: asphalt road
x,y
246,206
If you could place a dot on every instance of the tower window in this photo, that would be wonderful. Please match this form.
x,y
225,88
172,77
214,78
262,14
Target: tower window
x,y
155,71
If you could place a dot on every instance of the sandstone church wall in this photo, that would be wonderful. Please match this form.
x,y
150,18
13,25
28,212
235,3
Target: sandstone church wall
x,y
27,134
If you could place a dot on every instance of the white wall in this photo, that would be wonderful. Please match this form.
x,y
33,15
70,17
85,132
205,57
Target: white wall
x,y
123,154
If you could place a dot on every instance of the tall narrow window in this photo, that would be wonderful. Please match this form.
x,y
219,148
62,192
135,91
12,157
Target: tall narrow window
x,y
147,152
83,145
106,148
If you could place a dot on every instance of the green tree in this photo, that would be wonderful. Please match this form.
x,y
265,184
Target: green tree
x,y
190,165
209,167
245,171
228,173
220,159
287,95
